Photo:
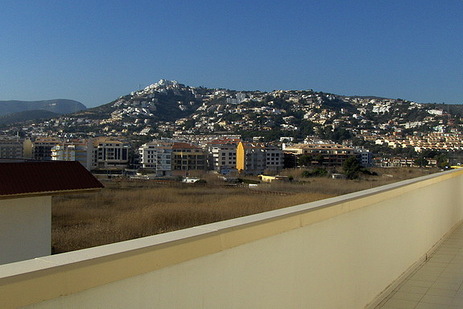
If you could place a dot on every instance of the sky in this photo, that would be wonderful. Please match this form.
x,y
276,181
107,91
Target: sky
x,y
94,51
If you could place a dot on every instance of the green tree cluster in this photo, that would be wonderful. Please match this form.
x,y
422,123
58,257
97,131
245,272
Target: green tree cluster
x,y
351,168
318,172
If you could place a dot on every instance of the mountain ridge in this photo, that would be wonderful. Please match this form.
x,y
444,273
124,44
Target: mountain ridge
x,y
58,106
26,116
168,108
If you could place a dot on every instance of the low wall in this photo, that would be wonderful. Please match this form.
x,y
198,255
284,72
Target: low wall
x,y
341,252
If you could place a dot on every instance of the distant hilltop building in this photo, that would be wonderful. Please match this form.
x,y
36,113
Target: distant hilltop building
x,y
163,83
239,98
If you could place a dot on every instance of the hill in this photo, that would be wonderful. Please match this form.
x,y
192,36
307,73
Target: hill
x,y
26,115
162,101
168,108
456,109
57,106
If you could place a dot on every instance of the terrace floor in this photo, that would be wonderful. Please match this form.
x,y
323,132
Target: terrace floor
x,y
437,284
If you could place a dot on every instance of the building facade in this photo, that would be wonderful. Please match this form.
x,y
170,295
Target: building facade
x,y
157,156
187,157
15,148
257,158
222,155
77,150
322,154
110,154
41,148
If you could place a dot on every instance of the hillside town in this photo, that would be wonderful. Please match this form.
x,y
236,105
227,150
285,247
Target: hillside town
x,y
168,129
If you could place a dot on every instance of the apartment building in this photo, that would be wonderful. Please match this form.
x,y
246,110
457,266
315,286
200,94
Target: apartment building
x,y
110,154
274,158
364,156
15,148
188,157
157,156
41,148
222,155
255,158
75,150
323,154
171,157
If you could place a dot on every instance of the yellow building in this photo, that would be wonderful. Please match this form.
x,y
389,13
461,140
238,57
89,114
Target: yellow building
x,y
240,157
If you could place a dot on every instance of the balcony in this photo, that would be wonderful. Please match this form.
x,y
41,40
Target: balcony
x,y
437,283
353,251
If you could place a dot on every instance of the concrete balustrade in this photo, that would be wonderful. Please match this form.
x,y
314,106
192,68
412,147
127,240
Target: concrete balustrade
x,y
342,252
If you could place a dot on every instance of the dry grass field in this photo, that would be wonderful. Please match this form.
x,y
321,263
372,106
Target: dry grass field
x,y
128,209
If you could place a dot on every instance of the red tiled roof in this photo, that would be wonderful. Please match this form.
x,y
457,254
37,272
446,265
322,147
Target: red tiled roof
x,y
184,146
39,178
224,141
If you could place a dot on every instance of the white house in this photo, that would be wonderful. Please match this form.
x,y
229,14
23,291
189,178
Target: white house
x,y
26,190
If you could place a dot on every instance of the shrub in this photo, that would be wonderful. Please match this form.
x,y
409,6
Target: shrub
x,y
318,172
352,168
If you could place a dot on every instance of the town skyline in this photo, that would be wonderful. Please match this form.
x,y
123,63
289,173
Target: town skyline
x,y
170,110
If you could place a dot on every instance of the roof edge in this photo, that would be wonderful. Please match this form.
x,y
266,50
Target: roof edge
x,y
45,193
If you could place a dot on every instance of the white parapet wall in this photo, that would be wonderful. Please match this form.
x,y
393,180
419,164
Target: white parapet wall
x,y
341,252
25,228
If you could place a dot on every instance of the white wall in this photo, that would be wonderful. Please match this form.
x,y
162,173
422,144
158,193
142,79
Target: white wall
x,y
337,253
25,228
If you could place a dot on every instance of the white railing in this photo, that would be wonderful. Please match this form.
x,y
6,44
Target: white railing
x,y
342,252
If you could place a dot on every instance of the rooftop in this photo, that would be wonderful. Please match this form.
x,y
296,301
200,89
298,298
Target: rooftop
x,y
437,283
28,178
350,251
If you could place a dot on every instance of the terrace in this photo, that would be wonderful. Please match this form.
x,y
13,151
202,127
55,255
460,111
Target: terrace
x,y
360,250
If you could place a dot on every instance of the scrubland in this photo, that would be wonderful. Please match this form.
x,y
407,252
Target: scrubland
x,y
127,209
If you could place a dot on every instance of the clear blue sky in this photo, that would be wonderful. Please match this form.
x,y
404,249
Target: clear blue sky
x,y
95,51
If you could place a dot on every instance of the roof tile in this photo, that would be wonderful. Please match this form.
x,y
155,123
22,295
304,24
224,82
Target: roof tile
x,y
25,178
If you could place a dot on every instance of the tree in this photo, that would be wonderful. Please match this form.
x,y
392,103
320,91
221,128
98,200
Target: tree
x,y
352,167
319,158
442,160
317,172
304,160
421,161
